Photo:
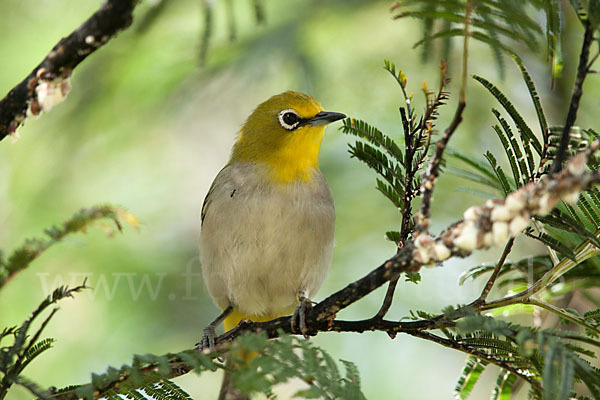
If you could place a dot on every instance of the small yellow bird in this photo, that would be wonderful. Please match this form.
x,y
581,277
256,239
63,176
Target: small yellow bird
x,y
268,219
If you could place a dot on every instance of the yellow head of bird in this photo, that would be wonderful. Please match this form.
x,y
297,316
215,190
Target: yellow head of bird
x,y
285,133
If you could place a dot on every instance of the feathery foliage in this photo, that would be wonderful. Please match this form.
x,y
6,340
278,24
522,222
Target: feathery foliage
x,y
399,166
529,156
280,360
33,248
25,347
554,358
502,25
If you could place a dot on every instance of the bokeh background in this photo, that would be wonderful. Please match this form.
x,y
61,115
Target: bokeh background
x,y
147,128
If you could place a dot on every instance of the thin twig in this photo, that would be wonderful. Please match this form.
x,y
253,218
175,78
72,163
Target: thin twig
x,y
429,178
562,314
112,17
490,283
582,71
422,218
583,252
409,175
207,13
388,299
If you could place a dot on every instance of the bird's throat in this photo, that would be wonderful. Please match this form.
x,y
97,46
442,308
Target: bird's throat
x,y
293,160
293,165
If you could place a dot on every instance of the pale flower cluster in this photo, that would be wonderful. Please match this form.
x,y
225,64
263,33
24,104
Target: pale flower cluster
x,y
500,219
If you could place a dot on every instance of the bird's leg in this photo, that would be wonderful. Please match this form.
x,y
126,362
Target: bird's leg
x,y
209,333
299,317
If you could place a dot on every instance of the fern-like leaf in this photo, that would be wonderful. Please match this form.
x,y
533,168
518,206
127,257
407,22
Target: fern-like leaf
x,y
469,377
512,111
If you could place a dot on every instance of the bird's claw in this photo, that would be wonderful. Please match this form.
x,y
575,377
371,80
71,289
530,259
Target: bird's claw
x,y
299,317
208,337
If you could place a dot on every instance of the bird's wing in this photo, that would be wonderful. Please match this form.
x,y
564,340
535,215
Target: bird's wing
x,y
207,199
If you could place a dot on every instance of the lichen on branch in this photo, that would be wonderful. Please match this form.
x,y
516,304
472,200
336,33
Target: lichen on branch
x,y
48,83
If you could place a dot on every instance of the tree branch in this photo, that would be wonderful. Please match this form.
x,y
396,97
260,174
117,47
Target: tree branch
x,y
490,283
422,218
582,71
431,175
411,145
48,83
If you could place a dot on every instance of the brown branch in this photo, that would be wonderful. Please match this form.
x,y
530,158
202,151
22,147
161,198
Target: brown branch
x,y
490,283
412,144
388,298
431,175
422,218
409,194
582,71
48,82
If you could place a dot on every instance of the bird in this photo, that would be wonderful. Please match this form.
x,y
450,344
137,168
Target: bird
x,y
267,230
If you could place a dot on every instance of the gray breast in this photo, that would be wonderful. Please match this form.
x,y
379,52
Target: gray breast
x,y
262,244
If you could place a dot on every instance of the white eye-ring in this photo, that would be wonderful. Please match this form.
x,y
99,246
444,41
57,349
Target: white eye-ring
x,y
289,119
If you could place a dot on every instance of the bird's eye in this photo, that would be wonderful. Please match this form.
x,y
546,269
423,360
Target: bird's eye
x,y
289,119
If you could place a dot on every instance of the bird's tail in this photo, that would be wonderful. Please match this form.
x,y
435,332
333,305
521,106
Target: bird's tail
x,y
228,391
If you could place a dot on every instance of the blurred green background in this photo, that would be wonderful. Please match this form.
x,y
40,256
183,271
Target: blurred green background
x,y
146,128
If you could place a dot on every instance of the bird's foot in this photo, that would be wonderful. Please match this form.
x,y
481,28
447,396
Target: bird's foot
x,y
209,334
208,337
299,318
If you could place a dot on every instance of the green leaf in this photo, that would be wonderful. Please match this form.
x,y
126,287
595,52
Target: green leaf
x,y
475,272
553,244
413,277
393,236
553,10
509,154
469,377
501,176
504,386
512,111
373,135
481,167
558,373
535,98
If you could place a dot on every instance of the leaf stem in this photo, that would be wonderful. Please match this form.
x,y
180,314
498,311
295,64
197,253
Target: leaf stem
x,y
570,317
490,283
583,252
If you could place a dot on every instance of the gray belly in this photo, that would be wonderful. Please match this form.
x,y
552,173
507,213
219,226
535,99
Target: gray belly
x,y
263,245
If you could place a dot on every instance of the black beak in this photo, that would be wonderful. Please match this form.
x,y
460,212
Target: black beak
x,y
324,118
